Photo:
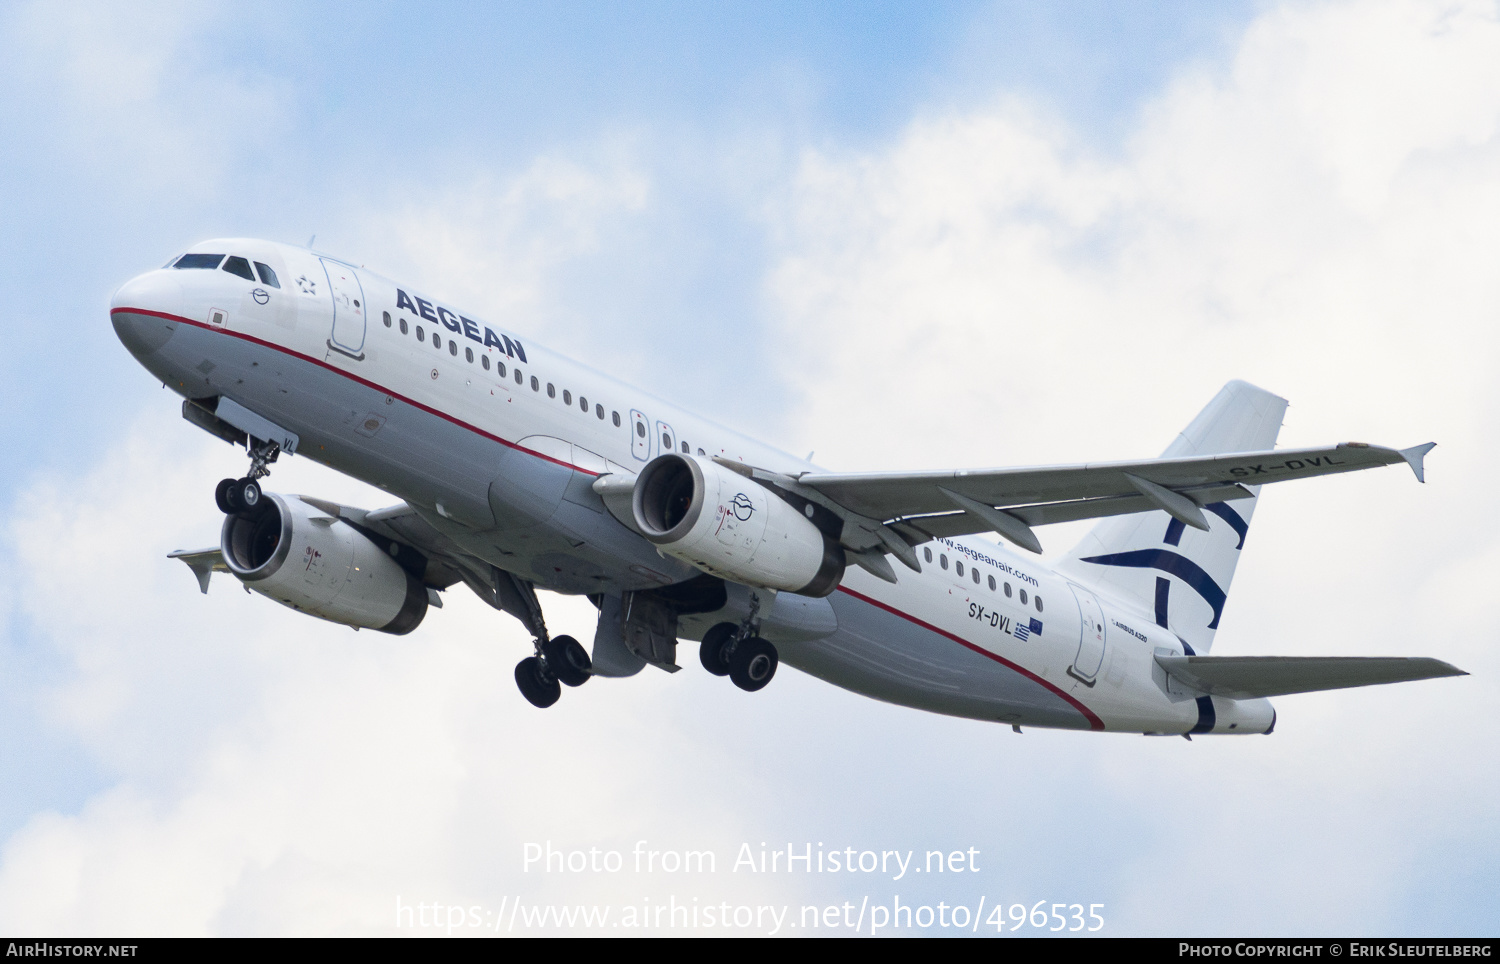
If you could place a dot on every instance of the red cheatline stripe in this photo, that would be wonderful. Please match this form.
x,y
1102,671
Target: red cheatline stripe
x,y
350,375
1094,722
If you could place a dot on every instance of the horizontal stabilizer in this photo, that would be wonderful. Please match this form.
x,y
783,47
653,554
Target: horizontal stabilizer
x,y
1249,677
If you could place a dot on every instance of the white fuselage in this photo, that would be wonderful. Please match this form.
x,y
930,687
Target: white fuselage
x,y
979,632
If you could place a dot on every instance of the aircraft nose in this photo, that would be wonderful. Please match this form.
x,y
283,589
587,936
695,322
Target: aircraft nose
x,y
137,311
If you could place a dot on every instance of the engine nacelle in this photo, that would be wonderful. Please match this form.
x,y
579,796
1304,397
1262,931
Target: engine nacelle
x,y
698,511
303,558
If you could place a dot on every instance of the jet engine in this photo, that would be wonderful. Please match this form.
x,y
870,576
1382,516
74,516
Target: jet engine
x,y
698,511
306,559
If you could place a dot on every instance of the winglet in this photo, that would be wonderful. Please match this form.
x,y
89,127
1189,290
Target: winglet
x,y
203,562
1414,456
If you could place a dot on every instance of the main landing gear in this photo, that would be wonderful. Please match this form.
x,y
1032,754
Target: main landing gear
x,y
243,496
736,652
559,660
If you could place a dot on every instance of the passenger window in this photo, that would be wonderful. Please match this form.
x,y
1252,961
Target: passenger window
x,y
468,354
385,316
453,348
685,449
640,429
1023,597
700,451
403,325
500,368
1007,590
209,261
927,552
421,335
959,567
583,403
268,278
666,441
976,577
239,267
567,397
518,376
551,392
485,361
943,560
1038,601
992,584
617,418
599,411
536,386
437,341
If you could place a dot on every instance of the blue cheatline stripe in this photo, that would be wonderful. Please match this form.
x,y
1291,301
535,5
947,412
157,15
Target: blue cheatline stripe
x,y
1174,533
1163,589
1236,522
1206,715
1173,565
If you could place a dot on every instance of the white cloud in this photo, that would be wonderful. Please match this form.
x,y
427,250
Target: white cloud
x,y
496,242
274,774
134,91
1319,219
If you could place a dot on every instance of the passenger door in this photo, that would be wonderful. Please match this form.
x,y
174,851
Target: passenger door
x,y
348,309
1091,640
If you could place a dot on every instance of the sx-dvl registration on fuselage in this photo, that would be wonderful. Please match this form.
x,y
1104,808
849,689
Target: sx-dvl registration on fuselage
x,y
518,469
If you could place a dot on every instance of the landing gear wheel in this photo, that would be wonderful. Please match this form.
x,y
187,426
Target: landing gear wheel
x,y
246,496
568,660
753,664
222,495
537,685
713,652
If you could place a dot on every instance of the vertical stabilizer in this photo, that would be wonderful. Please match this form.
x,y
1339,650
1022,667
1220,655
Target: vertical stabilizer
x,y
1178,573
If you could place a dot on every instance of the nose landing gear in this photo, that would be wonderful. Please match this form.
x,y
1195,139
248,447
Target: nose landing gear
x,y
236,496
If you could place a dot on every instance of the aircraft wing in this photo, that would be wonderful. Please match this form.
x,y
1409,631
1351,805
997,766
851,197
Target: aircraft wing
x,y
1247,677
920,506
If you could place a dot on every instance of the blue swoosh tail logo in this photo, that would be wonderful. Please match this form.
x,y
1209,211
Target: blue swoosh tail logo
x,y
1173,565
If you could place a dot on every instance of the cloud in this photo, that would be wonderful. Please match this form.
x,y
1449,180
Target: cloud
x,y
496,243
1317,218
137,93
269,773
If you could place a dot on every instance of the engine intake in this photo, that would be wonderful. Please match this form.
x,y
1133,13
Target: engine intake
x,y
305,559
698,511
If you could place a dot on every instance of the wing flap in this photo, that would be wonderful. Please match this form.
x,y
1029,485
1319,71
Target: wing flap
x,y
1249,677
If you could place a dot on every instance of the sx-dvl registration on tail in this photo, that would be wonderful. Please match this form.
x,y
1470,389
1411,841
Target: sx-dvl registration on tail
x,y
518,469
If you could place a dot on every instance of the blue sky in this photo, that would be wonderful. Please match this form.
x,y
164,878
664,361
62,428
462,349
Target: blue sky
x,y
901,234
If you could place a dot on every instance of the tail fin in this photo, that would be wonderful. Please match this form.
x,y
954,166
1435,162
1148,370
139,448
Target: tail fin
x,y
1182,575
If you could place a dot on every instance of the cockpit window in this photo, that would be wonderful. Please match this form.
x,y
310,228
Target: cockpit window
x,y
209,261
267,276
239,266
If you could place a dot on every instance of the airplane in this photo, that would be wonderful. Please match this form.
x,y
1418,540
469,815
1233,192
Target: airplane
x,y
517,469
